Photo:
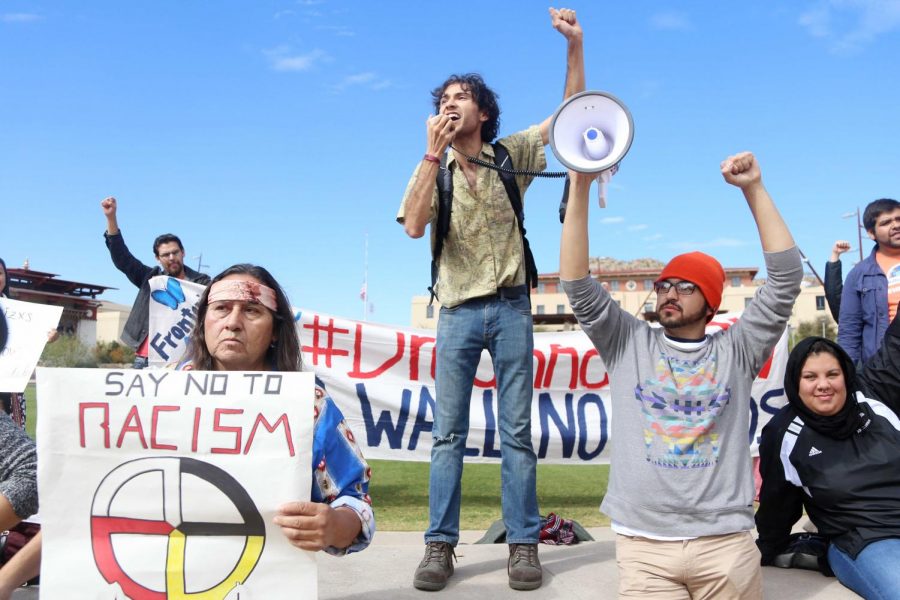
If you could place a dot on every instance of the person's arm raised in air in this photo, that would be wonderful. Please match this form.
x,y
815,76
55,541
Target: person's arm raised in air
x,y
565,22
742,171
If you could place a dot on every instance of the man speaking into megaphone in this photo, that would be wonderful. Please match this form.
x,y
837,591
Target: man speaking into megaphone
x,y
482,271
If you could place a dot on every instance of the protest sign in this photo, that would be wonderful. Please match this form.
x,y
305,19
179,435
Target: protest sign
x,y
29,324
173,316
382,378
163,484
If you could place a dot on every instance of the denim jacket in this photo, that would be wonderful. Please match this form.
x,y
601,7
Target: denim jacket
x,y
864,310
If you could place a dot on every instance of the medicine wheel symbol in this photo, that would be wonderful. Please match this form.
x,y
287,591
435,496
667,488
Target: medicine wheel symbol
x,y
149,534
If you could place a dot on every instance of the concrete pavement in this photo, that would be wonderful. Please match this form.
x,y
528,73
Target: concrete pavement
x,y
585,571
582,571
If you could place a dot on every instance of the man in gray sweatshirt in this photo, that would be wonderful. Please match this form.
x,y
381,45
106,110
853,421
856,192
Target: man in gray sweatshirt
x,y
680,493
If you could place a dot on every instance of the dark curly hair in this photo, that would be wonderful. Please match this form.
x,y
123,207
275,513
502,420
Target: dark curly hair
x,y
875,209
284,355
485,98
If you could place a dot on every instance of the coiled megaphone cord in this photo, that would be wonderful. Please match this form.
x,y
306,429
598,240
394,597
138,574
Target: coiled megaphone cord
x,y
525,172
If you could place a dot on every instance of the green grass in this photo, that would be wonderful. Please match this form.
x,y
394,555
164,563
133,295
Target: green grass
x,y
30,410
399,490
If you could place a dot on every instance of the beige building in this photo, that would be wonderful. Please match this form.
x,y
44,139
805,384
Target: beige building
x,y
111,318
631,285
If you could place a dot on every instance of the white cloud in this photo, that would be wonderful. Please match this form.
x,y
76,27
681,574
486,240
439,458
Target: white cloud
x,y
817,21
670,21
359,78
282,59
19,17
368,79
338,30
850,25
640,227
610,220
653,238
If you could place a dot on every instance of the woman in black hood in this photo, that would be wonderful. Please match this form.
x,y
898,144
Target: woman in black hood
x,y
846,418
834,450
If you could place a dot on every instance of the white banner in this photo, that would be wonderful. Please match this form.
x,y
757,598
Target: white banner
x,y
162,484
173,316
29,324
383,380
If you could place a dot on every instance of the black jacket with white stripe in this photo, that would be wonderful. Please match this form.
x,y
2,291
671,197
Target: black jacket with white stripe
x,y
849,487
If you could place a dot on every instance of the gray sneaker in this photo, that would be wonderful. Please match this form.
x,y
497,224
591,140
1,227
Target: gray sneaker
x,y
436,568
524,568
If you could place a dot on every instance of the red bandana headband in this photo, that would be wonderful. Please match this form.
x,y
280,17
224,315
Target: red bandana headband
x,y
243,291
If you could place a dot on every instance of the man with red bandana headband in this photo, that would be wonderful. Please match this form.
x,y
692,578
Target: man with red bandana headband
x,y
169,254
680,493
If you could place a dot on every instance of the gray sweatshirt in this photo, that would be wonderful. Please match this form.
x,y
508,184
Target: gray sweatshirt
x,y
680,457
18,468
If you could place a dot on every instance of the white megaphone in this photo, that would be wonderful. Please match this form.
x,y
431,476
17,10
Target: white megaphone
x,y
590,133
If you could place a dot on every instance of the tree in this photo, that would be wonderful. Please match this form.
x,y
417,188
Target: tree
x,y
824,327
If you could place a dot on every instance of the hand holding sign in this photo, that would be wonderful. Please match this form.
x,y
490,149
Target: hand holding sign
x,y
315,526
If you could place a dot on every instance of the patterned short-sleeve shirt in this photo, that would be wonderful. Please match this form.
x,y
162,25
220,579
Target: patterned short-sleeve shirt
x,y
483,250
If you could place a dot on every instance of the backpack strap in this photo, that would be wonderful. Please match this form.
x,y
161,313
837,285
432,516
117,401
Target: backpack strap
x,y
445,206
502,159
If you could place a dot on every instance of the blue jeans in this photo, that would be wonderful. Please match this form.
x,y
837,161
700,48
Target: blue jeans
x,y
502,325
140,362
874,574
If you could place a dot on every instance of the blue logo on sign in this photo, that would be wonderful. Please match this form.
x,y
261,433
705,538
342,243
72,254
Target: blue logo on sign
x,y
172,296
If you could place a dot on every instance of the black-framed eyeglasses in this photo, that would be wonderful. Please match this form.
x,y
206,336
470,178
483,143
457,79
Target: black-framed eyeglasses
x,y
682,288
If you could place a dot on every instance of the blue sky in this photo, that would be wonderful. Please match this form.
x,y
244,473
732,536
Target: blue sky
x,y
284,132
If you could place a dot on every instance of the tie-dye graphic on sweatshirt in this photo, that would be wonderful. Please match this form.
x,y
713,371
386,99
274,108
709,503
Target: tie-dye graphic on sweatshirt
x,y
681,406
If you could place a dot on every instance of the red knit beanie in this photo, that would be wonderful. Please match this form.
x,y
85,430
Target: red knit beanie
x,y
701,269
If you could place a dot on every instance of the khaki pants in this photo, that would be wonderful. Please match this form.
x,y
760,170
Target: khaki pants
x,y
720,567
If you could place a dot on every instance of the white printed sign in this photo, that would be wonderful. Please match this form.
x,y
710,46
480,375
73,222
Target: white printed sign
x,y
163,484
29,324
173,316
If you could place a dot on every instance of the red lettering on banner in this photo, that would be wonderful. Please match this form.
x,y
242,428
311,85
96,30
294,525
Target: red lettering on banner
x,y
218,427
539,369
154,423
328,350
104,424
764,372
127,427
723,324
555,351
282,420
490,383
387,364
582,372
416,343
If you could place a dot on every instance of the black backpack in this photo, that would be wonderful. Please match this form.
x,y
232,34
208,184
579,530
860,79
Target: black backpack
x,y
445,206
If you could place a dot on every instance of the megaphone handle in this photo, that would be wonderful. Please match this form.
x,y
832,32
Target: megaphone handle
x,y
601,192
